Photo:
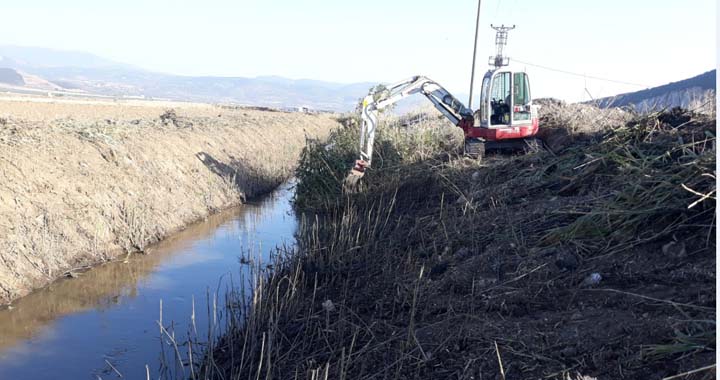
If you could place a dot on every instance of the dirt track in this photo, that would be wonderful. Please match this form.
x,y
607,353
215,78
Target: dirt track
x,y
82,183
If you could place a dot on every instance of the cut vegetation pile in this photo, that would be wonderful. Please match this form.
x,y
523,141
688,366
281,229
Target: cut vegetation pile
x,y
595,260
82,182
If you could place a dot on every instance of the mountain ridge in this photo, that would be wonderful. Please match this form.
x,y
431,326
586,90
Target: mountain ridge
x,y
85,73
686,93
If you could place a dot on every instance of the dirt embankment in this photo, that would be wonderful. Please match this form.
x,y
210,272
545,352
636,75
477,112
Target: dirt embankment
x,y
593,260
83,183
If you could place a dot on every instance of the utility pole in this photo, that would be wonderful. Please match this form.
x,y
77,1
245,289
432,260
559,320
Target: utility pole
x,y
472,74
501,33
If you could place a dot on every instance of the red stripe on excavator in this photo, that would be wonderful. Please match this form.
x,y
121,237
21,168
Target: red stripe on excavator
x,y
515,132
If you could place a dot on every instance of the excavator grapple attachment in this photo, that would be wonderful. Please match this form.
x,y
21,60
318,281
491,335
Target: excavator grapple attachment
x,y
351,184
445,102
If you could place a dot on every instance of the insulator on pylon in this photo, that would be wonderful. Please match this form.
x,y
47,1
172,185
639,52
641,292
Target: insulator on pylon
x,y
501,36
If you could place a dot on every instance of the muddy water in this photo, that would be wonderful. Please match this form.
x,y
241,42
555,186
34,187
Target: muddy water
x,y
79,328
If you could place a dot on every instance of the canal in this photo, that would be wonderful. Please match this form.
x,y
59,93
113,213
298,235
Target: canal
x,y
103,323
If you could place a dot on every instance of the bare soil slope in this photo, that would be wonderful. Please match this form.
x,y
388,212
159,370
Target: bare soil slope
x,y
593,260
81,183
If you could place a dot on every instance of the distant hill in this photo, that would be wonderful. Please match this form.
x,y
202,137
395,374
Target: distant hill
x,y
11,77
86,73
35,57
40,69
685,93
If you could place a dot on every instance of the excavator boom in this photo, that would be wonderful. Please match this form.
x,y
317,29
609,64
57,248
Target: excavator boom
x,y
443,100
506,118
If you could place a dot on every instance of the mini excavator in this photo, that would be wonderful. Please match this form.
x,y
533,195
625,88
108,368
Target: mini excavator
x,y
506,119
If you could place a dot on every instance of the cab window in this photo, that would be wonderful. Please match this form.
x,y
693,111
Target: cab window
x,y
500,99
521,97
484,93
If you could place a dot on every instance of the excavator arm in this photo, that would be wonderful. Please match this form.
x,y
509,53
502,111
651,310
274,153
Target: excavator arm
x,y
443,100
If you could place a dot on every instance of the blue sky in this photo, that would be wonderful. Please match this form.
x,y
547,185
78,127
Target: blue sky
x,y
639,41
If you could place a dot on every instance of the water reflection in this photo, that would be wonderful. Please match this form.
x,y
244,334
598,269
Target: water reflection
x,y
70,328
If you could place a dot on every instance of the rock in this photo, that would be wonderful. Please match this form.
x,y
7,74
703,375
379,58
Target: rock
x,y
569,351
592,280
484,281
462,254
674,249
566,261
476,176
328,306
438,269
170,116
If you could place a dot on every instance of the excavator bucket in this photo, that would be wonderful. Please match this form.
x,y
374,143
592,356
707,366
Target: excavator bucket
x,y
351,184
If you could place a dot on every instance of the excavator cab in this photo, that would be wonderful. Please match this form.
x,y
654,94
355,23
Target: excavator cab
x,y
506,117
505,100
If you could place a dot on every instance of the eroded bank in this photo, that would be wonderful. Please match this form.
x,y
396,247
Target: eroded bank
x,y
84,183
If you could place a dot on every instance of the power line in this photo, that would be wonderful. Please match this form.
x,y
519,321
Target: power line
x,y
497,8
582,75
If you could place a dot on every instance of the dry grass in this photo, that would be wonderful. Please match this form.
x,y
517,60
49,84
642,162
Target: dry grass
x,y
563,124
400,143
454,269
85,182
